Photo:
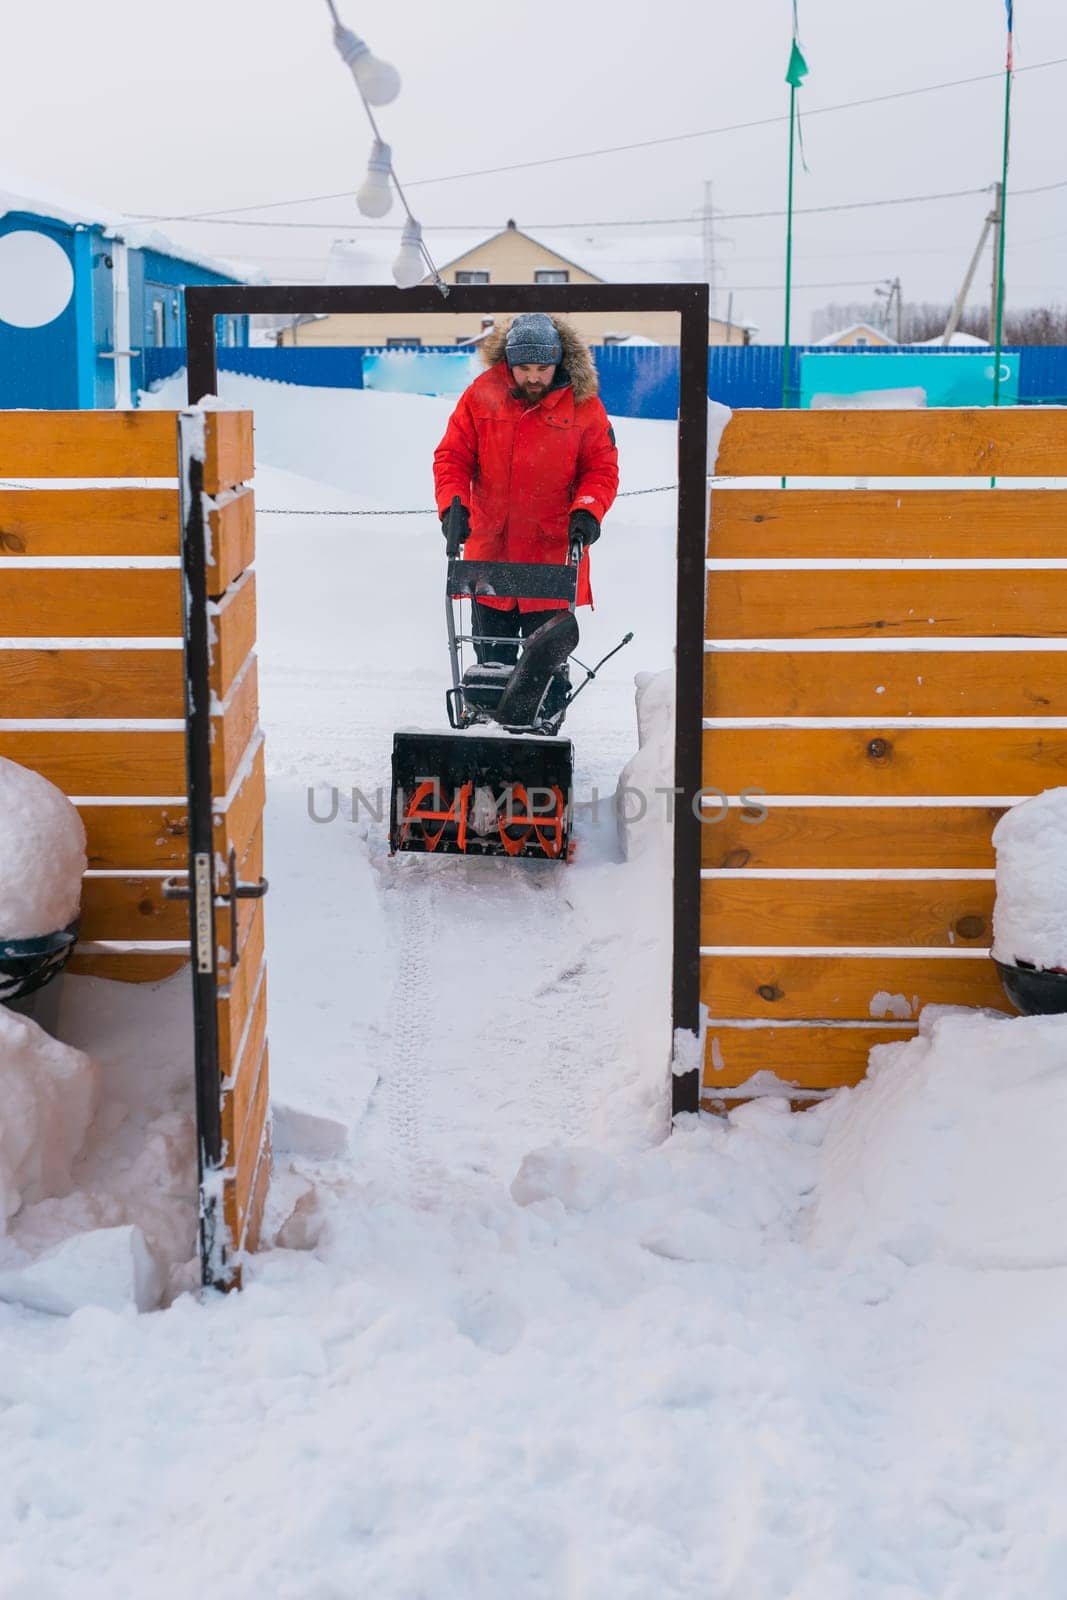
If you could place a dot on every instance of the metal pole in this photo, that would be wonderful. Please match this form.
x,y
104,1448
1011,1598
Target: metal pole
x,y
201,370
1002,209
998,232
786,345
120,320
689,668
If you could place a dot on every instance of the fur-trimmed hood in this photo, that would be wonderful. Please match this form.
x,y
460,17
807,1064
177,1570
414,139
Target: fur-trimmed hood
x,y
576,358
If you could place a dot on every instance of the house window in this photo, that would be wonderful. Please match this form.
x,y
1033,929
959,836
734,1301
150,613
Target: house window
x,y
861,339
404,344
551,275
158,322
472,277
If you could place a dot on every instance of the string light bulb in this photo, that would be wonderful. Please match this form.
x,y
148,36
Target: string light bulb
x,y
378,82
375,197
409,268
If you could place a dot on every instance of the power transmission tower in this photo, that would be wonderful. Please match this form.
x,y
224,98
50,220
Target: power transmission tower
x,y
710,265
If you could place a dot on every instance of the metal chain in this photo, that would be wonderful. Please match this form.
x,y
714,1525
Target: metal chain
x,y
427,511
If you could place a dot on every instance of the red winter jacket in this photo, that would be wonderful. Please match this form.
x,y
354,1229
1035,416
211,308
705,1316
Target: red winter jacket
x,y
521,470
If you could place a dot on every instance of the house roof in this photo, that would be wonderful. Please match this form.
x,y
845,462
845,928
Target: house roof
x,y
551,249
629,258
856,327
23,195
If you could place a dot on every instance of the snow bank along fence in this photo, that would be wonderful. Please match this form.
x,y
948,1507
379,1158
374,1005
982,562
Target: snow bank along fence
x,y
635,380
92,657
845,682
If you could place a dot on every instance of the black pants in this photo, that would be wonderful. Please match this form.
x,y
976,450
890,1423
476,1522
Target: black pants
x,y
501,631
506,626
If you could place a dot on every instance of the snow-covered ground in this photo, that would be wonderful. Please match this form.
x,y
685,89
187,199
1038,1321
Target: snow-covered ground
x,y
513,1341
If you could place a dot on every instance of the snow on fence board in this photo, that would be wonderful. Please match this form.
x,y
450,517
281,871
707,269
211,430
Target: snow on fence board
x,y
889,714
97,698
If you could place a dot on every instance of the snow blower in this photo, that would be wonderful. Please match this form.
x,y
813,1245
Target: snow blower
x,y
507,792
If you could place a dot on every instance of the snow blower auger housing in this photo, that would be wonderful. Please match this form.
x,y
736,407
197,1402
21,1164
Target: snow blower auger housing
x,y
505,792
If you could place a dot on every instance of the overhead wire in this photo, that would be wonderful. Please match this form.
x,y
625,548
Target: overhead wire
x,y
348,226
619,149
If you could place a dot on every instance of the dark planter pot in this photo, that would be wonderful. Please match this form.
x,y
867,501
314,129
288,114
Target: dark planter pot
x,y
28,964
1032,991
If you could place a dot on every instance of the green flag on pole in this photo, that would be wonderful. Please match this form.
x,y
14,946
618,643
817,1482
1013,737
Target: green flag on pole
x,y
798,68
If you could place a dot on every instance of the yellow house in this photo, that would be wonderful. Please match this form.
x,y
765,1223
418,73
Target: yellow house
x,y
858,334
512,256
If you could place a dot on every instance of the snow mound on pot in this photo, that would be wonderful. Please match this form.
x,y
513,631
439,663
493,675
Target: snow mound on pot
x,y
42,855
48,1095
951,1150
1030,915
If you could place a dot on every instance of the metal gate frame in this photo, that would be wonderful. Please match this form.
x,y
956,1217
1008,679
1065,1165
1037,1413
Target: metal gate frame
x,y
203,303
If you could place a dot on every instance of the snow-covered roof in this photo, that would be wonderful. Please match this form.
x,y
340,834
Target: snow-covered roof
x,y
958,340
20,194
880,334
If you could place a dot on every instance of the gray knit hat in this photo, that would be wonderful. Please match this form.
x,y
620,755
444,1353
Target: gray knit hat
x,y
533,340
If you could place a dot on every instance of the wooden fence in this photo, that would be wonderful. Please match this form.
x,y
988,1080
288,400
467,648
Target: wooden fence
x,y
96,701
867,890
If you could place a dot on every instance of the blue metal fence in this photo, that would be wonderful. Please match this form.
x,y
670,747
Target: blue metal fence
x,y
635,380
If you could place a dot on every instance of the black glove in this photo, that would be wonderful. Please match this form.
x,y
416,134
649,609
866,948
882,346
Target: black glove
x,y
584,529
456,525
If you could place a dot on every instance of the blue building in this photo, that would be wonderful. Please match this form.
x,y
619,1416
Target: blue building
x,y
83,294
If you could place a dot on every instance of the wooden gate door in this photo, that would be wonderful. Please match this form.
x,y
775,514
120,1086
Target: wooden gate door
x,y
226,788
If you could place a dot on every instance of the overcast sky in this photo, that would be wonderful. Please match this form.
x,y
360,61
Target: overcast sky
x,y
148,106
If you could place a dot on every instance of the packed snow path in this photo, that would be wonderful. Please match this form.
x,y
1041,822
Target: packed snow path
x,y
495,1004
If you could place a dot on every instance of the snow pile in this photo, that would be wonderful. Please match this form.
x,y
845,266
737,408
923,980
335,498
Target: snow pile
x,y
109,1267
871,400
48,1095
951,1151
1030,915
644,807
42,855
577,1177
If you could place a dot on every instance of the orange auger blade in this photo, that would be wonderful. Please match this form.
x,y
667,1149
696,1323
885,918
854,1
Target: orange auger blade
x,y
456,812
540,824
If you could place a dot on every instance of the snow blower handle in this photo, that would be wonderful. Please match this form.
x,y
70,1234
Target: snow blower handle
x,y
456,527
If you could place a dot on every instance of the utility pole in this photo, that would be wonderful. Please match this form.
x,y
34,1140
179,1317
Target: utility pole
x,y
965,287
889,295
997,219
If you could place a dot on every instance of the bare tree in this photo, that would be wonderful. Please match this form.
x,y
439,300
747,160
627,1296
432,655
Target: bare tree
x,y
922,320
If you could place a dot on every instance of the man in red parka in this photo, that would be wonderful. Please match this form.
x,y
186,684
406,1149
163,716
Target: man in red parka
x,y
531,455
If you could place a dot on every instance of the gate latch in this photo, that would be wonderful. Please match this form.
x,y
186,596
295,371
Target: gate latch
x,y
174,890
239,891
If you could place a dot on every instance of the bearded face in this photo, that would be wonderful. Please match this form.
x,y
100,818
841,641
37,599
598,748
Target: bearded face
x,y
532,382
